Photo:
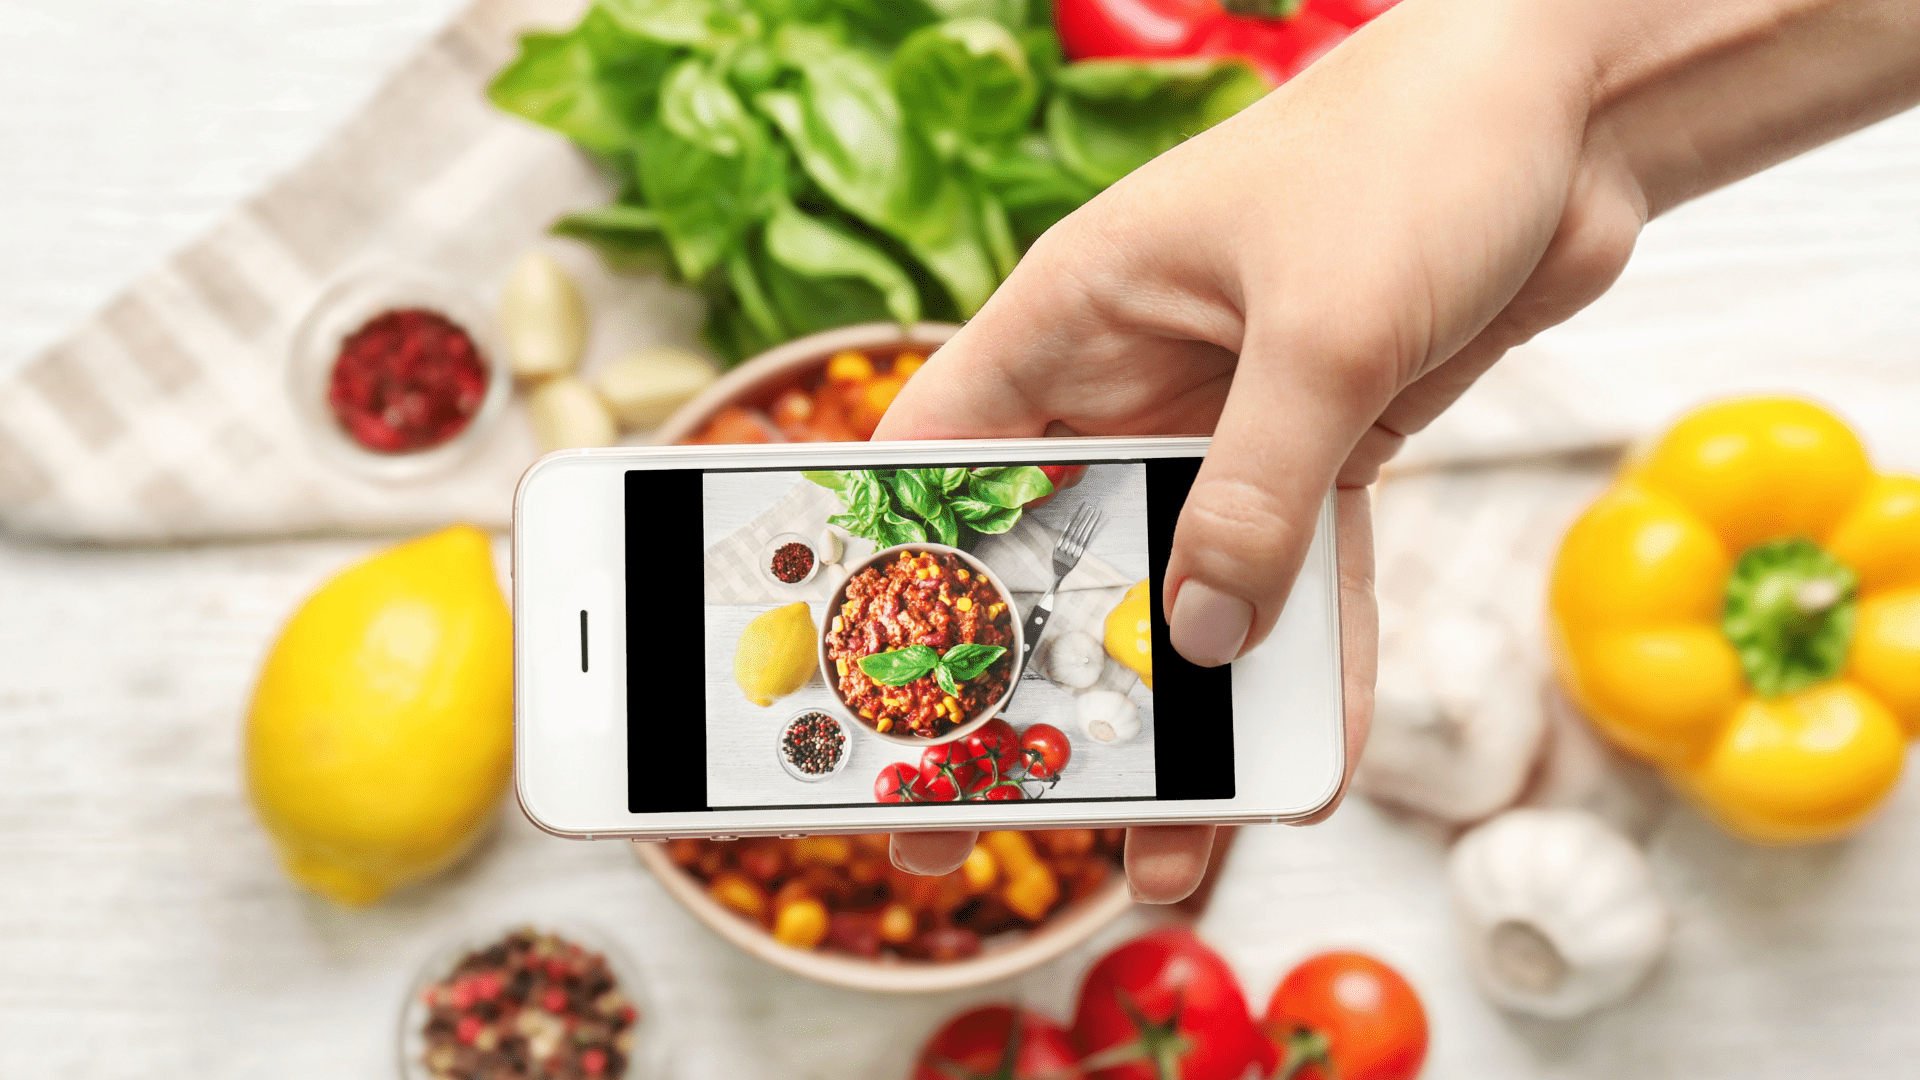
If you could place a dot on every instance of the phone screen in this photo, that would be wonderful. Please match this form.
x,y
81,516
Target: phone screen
x,y
915,636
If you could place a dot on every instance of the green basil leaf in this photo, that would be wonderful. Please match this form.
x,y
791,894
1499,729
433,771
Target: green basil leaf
x,y
596,84
1012,487
964,82
703,25
885,22
1108,117
952,480
1028,179
812,248
984,516
945,528
845,127
968,659
832,481
1012,14
697,104
911,488
627,237
902,530
755,306
901,666
706,201
727,330
946,680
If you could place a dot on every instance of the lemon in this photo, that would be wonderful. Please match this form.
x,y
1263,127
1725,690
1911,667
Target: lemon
x,y
1130,632
381,732
775,654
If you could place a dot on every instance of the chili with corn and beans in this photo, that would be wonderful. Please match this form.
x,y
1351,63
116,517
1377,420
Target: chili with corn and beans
x,y
920,598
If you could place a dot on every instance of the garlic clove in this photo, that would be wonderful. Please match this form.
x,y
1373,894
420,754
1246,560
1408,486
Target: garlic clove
x,y
830,545
567,413
644,388
1108,716
543,320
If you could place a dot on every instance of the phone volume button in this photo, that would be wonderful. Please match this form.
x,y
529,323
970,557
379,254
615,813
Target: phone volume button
x,y
723,838
793,836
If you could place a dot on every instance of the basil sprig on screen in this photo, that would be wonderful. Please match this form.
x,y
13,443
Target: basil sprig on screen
x,y
957,665
813,163
947,506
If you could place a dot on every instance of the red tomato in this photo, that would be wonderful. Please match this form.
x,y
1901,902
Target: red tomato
x,y
976,1044
1047,751
1005,793
898,782
1347,1015
1183,994
995,745
947,770
1063,477
1354,13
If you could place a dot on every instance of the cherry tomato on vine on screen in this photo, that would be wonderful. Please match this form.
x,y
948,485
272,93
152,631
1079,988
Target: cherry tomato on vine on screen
x,y
947,770
995,745
898,782
995,1042
1347,1016
1047,751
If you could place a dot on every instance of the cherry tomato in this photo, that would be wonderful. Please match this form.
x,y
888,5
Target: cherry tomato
x,y
1047,751
1180,1002
1063,477
974,1046
995,746
947,770
898,782
1005,793
1347,1015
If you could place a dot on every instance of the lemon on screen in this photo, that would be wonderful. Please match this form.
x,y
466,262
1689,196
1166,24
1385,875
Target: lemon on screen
x,y
381,731
775,655
1129,632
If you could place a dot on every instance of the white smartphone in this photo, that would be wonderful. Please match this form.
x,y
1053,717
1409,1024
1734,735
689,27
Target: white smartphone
x,y
726,641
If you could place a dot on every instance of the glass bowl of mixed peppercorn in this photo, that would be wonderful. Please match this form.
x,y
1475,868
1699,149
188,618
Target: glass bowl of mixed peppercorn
x,y
531,1002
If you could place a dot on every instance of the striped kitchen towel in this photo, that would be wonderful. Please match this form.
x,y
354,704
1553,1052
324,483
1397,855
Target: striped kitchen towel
x,y
170,415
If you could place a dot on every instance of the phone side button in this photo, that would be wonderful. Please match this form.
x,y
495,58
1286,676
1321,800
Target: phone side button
x,y
792,835
723,838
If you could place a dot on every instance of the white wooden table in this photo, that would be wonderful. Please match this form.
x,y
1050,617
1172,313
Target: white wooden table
x,y
146,931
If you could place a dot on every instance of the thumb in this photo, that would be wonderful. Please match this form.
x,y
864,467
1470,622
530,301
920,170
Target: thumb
x,y
1288,425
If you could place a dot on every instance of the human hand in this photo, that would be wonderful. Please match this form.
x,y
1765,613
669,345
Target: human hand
x,y
1318,278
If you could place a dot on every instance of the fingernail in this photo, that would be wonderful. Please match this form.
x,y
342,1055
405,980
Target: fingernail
x,y
1208,626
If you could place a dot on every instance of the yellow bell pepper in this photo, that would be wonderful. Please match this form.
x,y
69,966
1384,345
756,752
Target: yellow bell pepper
x,y
1129,631
1742,608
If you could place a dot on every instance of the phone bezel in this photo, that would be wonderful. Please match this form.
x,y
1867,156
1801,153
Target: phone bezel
x,y
570,773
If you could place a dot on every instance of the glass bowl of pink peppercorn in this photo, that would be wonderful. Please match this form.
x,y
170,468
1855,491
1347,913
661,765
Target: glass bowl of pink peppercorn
x,y
544,1000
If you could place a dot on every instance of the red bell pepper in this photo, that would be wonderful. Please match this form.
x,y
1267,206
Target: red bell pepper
x,y
1279,37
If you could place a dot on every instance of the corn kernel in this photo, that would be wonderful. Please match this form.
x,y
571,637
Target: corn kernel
x,y
840,665
948,702
994,610
868,713
965,603
839,621
897,924
884,724
801,924
981,869
1032,892
849,367
962,575
739,894
907,363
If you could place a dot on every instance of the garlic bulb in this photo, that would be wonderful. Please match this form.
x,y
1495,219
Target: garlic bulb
x,y
567,413
542,318
1558,910
1457,719
1108,716
644,387
1075,661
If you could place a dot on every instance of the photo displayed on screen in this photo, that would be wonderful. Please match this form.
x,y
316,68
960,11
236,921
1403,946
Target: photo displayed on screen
x,y
927,635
